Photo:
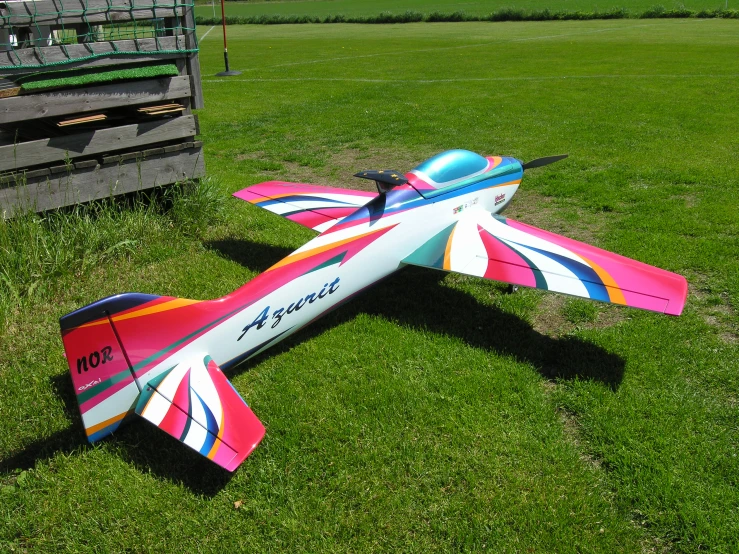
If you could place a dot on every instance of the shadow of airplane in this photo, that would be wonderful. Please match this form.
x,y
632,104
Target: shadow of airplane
x,y
403,298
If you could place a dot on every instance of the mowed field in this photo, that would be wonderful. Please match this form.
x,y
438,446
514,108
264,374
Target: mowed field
x,y
433,413
357,8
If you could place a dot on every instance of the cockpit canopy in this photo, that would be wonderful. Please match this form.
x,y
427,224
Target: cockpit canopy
x,y
449,167
454,169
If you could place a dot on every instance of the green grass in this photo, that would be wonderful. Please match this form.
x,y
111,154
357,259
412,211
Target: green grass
x,y
433,413
366,8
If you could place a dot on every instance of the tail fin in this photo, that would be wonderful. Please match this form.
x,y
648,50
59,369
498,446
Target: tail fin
x,y
102,376
192,401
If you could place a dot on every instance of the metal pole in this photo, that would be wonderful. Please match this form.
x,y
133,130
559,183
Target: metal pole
x,y
228,72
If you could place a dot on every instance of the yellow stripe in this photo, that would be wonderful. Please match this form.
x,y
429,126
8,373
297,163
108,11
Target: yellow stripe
x,y
614,291
314,251
273,196
217,443
448,251
163,307
516,182
95,428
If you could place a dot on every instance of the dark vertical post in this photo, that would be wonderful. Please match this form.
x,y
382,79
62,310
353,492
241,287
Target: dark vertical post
x,y
228,72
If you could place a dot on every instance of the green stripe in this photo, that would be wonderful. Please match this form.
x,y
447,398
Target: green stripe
x,y
333,261
541,282
431,253
174,345
84,396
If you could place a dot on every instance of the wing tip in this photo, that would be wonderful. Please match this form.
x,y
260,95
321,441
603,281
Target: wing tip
x,y
676,305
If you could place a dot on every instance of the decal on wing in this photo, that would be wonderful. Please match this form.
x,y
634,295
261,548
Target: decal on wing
x,y
312,206
494,247
195,403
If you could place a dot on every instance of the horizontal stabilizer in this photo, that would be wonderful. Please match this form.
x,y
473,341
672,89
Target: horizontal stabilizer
x,y
195,403
313,206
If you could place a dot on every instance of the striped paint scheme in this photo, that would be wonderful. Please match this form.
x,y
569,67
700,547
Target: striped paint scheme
x,y
195,403
159,356
493,247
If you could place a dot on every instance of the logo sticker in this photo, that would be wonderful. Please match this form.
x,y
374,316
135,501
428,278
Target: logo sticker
x,y
278,314
464,206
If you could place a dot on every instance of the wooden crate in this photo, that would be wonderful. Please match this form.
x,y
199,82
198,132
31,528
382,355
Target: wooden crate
x,y
103,139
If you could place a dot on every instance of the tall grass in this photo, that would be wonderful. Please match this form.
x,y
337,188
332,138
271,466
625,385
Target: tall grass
x,y
37,251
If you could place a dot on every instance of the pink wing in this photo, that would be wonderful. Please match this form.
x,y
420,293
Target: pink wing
x,y
312,206
505,250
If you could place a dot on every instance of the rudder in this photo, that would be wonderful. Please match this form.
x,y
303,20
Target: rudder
x,y
102,376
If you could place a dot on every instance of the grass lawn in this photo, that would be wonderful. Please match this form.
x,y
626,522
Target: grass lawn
x,y
434,413
356,8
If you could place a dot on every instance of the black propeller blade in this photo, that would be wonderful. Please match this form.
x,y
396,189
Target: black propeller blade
x,y
540,162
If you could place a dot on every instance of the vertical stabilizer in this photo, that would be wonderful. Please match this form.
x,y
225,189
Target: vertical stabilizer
x,y
101,374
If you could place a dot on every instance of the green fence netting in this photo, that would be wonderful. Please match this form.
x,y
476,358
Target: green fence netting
x,y
43,33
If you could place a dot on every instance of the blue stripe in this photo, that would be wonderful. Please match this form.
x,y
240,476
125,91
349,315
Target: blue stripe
x,y
105,431
298,198
211,427
232,362
587,276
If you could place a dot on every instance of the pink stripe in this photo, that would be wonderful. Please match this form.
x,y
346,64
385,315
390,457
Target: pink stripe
x,y
174,421
504,264
417,183
309,219
249,196
271,189
355,222
336,213
642,285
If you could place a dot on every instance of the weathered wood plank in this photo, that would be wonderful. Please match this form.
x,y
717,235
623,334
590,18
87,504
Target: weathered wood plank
x,y
102,181
193,61
27,154
67,12
80,100
119,51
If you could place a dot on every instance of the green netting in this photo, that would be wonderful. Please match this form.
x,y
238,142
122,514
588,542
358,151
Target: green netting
x,y
45,33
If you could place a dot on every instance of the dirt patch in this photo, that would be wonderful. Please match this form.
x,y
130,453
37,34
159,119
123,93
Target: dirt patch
x,y
715,309
340,167
691,200
550,319
546,212
572,432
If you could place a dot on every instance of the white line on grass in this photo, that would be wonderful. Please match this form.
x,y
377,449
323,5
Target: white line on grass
x,y
458,47
474,79
206,32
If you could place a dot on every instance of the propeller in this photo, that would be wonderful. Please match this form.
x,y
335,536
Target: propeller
x,y
540,162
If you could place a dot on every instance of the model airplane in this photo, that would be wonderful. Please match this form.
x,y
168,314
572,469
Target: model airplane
x,y
161,357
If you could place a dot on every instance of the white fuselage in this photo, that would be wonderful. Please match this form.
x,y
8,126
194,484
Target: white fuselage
x,y
280,313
